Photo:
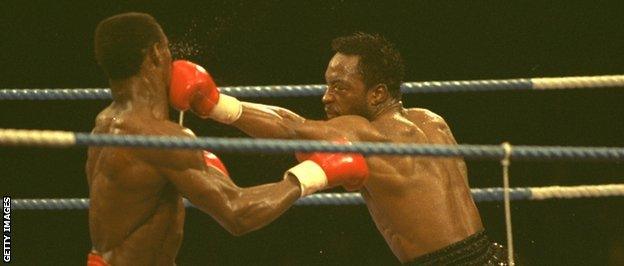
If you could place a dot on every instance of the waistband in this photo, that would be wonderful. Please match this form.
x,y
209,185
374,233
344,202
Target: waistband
x,y
476,249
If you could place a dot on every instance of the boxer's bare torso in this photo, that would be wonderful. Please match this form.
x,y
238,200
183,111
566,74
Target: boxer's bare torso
x,y
136,212
136,215
419,204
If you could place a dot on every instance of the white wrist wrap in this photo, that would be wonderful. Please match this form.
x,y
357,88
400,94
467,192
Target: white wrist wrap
x,y
311,177
227,110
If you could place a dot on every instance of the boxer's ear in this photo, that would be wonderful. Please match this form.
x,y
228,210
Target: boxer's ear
x,y
156,54
378,94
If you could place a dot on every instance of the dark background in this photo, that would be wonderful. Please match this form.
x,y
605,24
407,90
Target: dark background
x,y
48,44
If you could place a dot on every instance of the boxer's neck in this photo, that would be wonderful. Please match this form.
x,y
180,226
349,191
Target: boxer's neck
x,y
142,92
388,108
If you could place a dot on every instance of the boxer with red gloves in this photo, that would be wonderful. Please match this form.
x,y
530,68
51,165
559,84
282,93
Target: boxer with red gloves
x,y
136,209
192,88
316,171
423,205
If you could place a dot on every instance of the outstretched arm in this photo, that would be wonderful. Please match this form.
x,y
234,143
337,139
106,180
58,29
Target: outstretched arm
x,y
265,121
193,88
239,210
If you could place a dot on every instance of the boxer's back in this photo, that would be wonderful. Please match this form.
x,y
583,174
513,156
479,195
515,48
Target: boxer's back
x,y
135,215
419,204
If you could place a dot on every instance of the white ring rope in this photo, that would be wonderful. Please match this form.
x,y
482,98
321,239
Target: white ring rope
x,y
37,137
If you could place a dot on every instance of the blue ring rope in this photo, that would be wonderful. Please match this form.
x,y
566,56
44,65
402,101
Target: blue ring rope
x,y
288,146
318,89
479,195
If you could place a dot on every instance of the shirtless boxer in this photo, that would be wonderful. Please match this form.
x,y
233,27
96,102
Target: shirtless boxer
x,y
136,212
421,205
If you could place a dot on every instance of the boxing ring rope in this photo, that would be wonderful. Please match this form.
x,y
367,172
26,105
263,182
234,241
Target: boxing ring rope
x,y
340,199
504,153
606,81
51,138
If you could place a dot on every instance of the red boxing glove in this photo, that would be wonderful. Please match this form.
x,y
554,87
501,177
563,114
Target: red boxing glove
x,y
213,160
343,169
193,88
209,158
326,170
302,156
190,82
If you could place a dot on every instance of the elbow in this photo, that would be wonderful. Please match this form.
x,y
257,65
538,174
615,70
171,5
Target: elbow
x,y
238,231
233,222
238,227
230,219
235,230
248,218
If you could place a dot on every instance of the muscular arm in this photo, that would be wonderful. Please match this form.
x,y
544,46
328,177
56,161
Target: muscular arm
x,y
265,121
239,210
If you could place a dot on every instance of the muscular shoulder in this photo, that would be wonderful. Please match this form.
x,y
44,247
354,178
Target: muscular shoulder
x,y
162,158
357,127
349,121
432,124
422,116
148,126
350,127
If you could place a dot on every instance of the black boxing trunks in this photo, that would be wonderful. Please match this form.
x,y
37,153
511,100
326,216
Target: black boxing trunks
x,y
476,249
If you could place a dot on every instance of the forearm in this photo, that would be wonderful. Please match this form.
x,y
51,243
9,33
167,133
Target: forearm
x,y
265,121
238,210
255,207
